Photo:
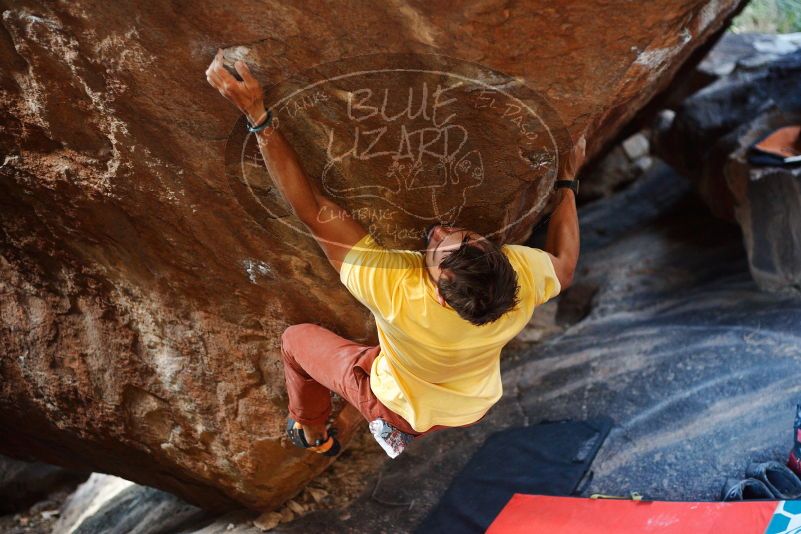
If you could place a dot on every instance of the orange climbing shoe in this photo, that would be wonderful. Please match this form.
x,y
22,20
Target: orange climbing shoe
x,y
329,446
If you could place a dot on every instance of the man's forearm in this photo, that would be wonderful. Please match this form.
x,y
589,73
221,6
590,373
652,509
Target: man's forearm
x,y
562,239
286,171
336,234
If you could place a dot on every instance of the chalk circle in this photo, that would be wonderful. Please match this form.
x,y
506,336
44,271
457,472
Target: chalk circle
x,y
403,141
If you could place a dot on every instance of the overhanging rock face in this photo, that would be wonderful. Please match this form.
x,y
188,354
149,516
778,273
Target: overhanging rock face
x,y
147,268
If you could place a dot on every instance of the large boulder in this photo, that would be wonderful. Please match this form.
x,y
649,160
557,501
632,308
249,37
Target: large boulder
x,y
147,267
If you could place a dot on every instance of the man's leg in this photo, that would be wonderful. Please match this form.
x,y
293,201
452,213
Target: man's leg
x,y
316,362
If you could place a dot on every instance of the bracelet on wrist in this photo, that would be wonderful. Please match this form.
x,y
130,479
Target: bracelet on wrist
x,y
568,184
266,123
262,115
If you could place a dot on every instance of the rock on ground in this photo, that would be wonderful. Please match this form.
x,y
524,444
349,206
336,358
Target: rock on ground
x,y
757,91
767,206
147,266
31,495
23,483
105,503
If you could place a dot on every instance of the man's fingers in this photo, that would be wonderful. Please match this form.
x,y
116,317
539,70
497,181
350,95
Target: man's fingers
x,y
581,146
214,67
226,78
214,78
244,71
221,73
211,79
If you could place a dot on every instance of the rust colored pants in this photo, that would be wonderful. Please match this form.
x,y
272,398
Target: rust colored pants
x,y
316,362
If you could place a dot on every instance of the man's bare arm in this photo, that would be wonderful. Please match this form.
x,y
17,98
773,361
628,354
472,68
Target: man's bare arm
x,y
333,228
562,239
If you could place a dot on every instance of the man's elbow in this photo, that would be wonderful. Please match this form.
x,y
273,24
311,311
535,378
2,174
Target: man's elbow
x,y
564,269
565,274
565,279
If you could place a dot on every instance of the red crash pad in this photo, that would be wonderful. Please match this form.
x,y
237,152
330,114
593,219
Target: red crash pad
x,y
562,515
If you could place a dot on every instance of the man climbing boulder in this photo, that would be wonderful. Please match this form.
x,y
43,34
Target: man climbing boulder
x,y
443,314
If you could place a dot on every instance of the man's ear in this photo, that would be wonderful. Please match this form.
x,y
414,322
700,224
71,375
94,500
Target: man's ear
x,y
447,275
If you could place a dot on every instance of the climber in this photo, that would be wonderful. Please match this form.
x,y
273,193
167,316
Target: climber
x,y
442,316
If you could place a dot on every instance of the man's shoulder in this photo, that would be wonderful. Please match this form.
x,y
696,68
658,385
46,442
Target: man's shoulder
x,y
516,254
523,254
536,271
369,255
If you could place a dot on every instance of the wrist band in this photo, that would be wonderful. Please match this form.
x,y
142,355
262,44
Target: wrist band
x,y
570,184
268,121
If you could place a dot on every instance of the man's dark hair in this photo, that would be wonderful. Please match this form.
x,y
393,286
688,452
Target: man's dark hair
x,y
478,282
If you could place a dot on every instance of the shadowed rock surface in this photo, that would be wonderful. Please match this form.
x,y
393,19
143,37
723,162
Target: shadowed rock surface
x,y
146,279
23,483
709,139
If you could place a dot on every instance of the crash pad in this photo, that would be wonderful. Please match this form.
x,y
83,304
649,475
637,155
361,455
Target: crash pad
x,y
549,457
563,515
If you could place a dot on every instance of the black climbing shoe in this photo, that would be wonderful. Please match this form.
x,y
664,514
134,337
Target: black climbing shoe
x,y
745,490
329,446
782,482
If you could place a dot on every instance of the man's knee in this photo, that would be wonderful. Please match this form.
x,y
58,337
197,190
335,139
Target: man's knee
x,y
292,333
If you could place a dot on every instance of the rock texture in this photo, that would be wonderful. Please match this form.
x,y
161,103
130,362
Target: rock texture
x,y
756,91
146,272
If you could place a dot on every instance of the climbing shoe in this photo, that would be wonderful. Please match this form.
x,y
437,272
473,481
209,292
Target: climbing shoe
x,y
329,446
745,490
778,478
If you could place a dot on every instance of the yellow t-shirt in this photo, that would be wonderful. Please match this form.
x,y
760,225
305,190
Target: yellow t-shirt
x,y
434,367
